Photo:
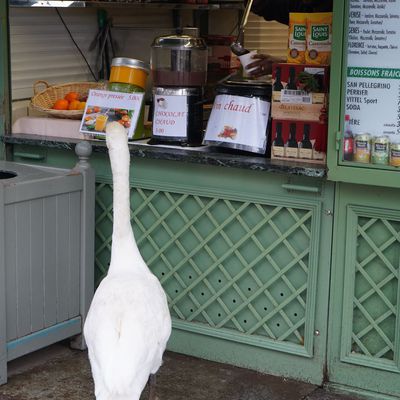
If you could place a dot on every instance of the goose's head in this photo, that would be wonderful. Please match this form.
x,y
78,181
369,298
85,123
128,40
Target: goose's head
x,y
116,137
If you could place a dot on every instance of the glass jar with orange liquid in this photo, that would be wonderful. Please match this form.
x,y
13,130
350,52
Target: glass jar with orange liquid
x,y
129,75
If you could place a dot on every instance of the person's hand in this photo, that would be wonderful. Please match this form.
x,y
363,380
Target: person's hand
x,y
262,65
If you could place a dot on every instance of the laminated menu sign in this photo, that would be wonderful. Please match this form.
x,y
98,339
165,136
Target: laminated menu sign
x,y
170,116
372,92
103,106
238,122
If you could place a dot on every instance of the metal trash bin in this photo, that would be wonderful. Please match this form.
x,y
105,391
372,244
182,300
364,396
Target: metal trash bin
x,y
46,255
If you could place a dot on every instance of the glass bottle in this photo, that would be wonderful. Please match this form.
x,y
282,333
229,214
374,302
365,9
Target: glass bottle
x,y
291,84
278,149
277,84
292,149
306,147
348,140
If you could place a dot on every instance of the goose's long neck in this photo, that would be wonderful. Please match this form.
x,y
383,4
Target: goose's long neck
x,y
124,251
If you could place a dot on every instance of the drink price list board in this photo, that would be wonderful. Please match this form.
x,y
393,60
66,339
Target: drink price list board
x,y
372,92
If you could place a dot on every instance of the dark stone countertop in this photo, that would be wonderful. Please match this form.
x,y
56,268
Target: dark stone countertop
x,y
202,155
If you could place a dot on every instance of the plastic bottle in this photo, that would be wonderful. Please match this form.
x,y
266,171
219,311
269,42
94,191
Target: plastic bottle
x,y
348,140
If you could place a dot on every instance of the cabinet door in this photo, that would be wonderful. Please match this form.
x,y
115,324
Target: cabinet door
x,y
244,258
365,325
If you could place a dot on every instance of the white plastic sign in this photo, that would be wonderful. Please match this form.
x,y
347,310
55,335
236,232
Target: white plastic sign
x,y
103,106
170,116
239,121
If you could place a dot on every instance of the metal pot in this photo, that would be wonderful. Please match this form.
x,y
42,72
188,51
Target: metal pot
x,y
179,61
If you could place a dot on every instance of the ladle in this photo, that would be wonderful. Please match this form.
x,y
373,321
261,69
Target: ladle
x,y
237,46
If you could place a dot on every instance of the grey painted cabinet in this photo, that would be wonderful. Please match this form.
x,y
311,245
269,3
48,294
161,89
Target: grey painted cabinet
x,y
46,256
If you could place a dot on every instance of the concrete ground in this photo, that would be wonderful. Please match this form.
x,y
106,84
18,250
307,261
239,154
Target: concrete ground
x,y
60,373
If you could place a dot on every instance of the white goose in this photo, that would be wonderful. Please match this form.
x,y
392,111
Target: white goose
x,y
128,324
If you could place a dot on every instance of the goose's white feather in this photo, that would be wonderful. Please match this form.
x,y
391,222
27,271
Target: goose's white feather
x,y
128,324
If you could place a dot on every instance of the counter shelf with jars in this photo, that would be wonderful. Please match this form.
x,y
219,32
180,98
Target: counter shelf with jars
x,y
33,148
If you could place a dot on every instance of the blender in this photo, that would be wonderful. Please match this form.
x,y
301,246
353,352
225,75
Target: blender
x,y
179,72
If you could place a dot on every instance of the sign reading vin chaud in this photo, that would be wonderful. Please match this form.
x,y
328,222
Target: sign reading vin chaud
x,y
238,122
372,93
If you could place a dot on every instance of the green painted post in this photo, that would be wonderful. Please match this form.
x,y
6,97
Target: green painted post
x,y
4,76
335,92
3,333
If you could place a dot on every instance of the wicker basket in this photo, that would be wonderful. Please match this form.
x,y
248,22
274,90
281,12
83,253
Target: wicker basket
x,y
43,100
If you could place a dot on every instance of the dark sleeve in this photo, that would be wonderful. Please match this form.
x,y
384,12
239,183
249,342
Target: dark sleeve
x,y
279,10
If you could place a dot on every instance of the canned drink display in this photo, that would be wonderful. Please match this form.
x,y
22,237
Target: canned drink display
x,y
362,148
380,150
395,154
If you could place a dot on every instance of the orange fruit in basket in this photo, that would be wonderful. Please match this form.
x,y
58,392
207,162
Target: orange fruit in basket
x,y
82,105
61,104
74,105
71,96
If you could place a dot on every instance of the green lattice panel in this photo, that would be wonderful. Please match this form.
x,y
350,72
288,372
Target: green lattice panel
x,y
376,288
232,266
103,230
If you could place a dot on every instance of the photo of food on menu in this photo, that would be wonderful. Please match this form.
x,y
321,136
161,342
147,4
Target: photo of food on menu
x,y
104,107
96,118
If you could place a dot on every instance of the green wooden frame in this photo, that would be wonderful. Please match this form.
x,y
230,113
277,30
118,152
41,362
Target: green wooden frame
x,y
5,102
339,170
4,76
